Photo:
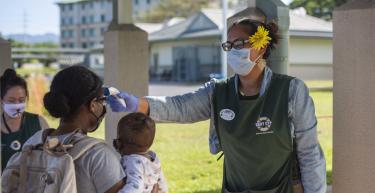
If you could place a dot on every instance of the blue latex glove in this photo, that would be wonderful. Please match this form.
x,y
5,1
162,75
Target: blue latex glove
x,y
130,100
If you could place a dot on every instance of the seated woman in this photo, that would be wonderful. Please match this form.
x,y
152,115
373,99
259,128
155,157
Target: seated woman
x,y
76,98
16,124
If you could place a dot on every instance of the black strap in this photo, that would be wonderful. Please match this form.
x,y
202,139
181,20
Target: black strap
x,y
7,126
221,155
216,123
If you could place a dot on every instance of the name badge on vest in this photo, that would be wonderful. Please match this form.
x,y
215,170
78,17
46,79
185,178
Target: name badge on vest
x,y
264,125
227,114
15,145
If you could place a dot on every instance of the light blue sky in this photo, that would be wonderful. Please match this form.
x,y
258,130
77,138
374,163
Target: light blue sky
x,y
42,16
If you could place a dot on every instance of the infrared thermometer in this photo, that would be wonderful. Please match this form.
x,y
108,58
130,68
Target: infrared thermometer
x,y
112,91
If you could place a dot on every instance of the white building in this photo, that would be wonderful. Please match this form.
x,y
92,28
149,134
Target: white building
x,y
190,50
83,22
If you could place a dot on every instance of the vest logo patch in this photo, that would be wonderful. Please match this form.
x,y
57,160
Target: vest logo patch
x,y
264,125
227,114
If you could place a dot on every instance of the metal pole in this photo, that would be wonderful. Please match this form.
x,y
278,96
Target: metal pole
x,y
224,5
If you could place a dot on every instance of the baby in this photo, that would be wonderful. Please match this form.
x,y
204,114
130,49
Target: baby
x,y
135,135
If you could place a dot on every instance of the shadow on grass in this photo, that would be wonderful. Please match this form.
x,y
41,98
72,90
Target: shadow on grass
x,y
329,182
329,177
208,191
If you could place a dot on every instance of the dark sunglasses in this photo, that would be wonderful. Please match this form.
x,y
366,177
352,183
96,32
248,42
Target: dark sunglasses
x,y
237,44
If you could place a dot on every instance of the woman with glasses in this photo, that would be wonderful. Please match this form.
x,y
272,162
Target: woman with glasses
x,y
16,124
263,122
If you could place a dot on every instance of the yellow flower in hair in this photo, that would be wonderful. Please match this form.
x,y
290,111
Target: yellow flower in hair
x,y
260,39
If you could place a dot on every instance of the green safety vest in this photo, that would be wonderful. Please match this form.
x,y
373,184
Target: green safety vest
x,y
29,125
255,137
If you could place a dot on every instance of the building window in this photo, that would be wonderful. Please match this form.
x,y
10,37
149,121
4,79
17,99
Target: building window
x,y
136,2
83,32
83,20
102,18
62,8
71,34
70,7
63,33
91,5
71,45
84,45
148,2
92,44
102,30
83,6
102,3
92,32
63,45
71,21
63,21
92,19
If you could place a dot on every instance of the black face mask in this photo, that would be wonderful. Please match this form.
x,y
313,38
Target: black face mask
x,y
98,119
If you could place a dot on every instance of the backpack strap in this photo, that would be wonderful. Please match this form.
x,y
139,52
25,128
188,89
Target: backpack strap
x,y
46,133
23,168
82,145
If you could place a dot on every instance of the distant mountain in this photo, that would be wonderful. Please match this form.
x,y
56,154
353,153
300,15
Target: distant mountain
x,y
32,39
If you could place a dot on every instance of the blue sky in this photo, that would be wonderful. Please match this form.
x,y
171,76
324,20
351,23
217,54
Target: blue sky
x,y
42,16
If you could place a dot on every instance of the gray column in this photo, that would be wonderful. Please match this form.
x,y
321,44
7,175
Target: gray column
x,y
353,98
5,62
5,56
276,10
126,60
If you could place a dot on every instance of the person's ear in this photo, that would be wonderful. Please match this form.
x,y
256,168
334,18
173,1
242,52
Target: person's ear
x,y
257,53
119,147
92,105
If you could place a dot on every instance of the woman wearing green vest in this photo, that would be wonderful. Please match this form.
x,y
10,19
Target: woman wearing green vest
x,y
16,124
263,122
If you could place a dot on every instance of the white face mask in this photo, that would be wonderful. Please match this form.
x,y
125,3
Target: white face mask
x,y
239,61
14,110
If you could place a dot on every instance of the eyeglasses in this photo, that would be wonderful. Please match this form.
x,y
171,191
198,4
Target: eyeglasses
x,y
237,44
102,100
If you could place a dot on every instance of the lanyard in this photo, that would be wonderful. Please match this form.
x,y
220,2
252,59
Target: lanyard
x,y
6,125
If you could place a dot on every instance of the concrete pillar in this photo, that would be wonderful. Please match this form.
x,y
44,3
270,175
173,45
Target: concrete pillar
x,y
266,11
276,10
5,55
126,59
353,97
5,62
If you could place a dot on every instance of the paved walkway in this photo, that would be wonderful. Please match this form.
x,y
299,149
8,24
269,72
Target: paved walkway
x,y
169,89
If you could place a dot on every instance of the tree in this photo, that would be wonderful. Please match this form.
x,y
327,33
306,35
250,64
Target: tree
x,y
18,44
45,45
173,8
318,8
